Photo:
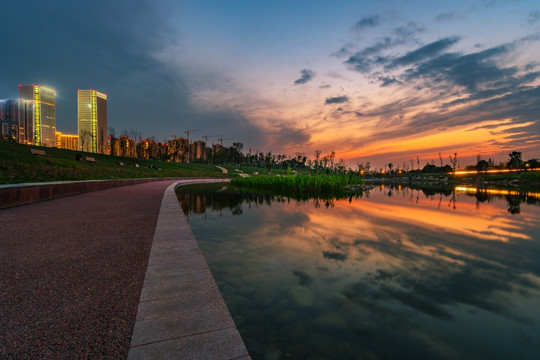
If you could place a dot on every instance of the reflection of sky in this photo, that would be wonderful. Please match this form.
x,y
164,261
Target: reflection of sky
x,y
415,277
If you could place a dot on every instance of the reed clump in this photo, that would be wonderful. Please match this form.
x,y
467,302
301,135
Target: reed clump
x,y
303,186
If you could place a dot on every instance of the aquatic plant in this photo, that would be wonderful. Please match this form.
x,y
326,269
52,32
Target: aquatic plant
x,y
304,186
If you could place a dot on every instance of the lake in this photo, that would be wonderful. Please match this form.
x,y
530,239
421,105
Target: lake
x,y
397,273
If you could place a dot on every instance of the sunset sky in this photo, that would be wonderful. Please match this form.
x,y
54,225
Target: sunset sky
x,y
380,81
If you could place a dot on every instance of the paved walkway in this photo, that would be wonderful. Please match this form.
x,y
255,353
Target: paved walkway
x,y
72,270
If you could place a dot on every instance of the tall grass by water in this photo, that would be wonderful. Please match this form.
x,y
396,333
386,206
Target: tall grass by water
x,y
303,186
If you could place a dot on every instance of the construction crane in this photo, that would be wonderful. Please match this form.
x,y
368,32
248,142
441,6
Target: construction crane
x,y
190,131
222,138
205,137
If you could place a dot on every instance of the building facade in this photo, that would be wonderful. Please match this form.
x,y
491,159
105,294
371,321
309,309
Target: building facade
x,y
9,120
197,151
67,141
38,105
178,150
92,121
123,146
148,149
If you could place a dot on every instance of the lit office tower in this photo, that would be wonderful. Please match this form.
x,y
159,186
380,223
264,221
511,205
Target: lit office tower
x,y
92,121
9,120
43,113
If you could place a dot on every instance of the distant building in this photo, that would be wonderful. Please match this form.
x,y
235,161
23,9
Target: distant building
x,y
148,149
216,148
197,151
43,112
67,141
92,121
122,146
178,150
26,121
9,120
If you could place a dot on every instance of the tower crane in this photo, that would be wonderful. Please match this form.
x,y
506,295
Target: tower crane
x,y
187,132
205,137
222,138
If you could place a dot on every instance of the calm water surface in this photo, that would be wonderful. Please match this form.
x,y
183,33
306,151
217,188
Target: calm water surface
x,y
395,274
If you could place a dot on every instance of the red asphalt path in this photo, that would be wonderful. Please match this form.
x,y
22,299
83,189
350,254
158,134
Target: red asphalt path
x,y
72,270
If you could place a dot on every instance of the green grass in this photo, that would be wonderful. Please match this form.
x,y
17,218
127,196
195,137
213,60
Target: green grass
x,y
303,187
17,165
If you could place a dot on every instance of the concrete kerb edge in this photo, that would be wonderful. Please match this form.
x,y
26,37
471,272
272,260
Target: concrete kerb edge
x,y
157,342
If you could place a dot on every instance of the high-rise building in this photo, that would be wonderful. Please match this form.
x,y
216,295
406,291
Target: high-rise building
x,y
9,120
197,151
92,121
38,102
26,121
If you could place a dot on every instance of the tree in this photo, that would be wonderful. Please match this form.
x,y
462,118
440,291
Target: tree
x,y
453,161
112,132
331,158
317,156
532,164
482,165
515,161
269,160
430,168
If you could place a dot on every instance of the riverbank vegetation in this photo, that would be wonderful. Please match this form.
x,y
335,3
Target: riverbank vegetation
x,y
302,187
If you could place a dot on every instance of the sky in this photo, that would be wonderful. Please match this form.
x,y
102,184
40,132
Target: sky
x,y
380,81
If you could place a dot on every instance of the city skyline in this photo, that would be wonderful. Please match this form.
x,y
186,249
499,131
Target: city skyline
x,y
379,81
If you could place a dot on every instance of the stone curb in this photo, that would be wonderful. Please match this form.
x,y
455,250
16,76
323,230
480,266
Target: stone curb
x,y
181,313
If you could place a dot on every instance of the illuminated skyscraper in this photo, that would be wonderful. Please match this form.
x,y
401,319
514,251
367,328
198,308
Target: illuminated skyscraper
x,y
38,102
92,121
9,120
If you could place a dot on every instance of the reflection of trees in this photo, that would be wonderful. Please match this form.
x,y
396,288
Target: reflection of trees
x,y
514,204
198,198
514,199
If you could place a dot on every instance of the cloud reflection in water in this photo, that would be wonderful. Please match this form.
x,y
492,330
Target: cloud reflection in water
x,y
408,275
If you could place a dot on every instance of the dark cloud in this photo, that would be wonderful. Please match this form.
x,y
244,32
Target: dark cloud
x,y
469,70
325,86
288,134
387,81
372,56
424,52
447,16
367,21
359,114
113,47
522,106
336,100
334,255
303,278
534,16
305,76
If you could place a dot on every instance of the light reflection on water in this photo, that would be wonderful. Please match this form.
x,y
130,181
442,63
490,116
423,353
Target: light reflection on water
x,y
395,274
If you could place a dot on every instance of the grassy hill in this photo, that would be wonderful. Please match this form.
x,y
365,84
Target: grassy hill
x,y
18,165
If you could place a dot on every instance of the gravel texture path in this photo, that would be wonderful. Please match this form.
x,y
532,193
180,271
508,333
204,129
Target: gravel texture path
x,y
71,273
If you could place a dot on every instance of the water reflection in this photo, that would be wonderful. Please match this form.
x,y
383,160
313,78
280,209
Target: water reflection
x,y
398,273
